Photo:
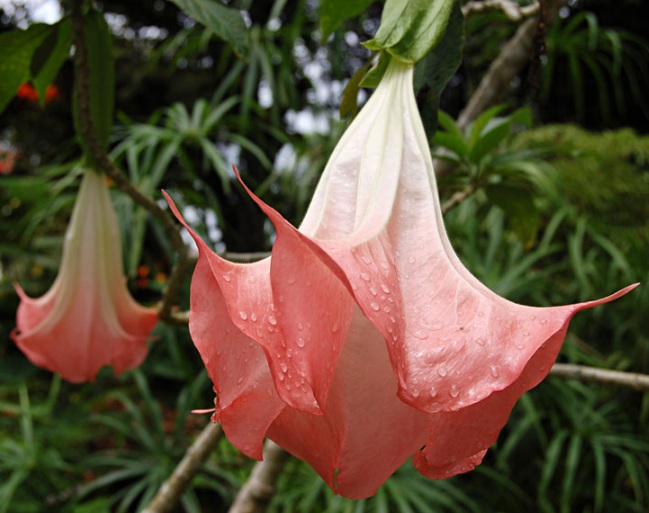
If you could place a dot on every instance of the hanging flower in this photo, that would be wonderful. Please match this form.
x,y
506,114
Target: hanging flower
x,y
363,340
87,319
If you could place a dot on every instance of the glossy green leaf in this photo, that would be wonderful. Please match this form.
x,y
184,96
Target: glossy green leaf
x,y
334,12
227,23
411,28
17,48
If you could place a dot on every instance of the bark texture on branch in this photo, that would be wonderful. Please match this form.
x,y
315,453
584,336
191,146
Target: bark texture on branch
x,y
172,489
260,487
632,380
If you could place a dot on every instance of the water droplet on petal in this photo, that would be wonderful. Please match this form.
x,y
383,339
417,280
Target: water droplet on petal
x,y
365,277
420,334
227,277
240,380
432,391
366,259
493,370
373,291
544,321
243,315
272,320
453,391
442,371
253,317
334,327
385,288
283,366
480,341
300,326
300,342
281,377
375,306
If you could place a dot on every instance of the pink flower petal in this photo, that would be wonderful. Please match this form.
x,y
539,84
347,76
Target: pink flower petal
x,y
377,340
87,319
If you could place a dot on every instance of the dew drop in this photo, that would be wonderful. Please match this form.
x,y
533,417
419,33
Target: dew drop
x,y
373,291
386,309
300,326
375,306
365,277
334,327
526,333
272,320
493,370
420,334
415,392
453,391
227,278
253,317
281,377
240,380
366,259
442,371
300,342
243,315
385,288
544,321
283,366
480,341
432,391
412,259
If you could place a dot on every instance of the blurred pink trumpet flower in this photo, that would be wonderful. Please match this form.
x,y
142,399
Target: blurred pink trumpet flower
x,y
88,318
363,339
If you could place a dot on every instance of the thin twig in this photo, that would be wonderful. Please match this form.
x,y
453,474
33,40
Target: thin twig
x,y
511,9
632,380
106,165
260,487
457,198
173,488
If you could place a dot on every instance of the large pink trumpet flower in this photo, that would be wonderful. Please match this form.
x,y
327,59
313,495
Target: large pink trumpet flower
x,y
363,340
87,319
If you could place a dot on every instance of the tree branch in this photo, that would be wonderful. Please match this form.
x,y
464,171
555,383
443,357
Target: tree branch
x,y
173,488
632,380
511,9
107,166
259,489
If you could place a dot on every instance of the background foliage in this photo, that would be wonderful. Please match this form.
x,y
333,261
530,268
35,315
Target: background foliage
x,y
555,183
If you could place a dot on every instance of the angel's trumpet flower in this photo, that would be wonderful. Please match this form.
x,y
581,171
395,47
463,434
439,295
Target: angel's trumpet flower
x,y
88,318
363,339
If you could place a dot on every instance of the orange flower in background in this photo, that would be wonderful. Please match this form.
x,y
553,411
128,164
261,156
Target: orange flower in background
x,y
8,158
28,92
363,340
88,318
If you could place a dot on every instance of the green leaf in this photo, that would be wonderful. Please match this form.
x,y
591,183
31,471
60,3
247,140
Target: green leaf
x,y
50,56
17,48
411,28
520,211
334,12
101,84
375,74
349,102
227,23
438,67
